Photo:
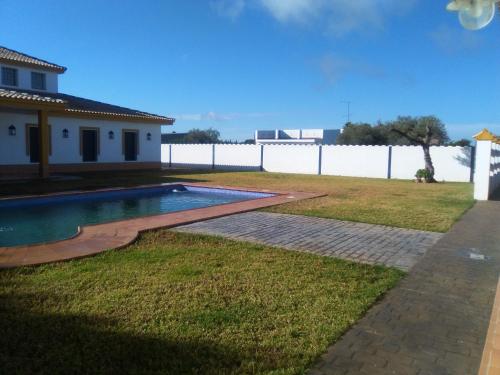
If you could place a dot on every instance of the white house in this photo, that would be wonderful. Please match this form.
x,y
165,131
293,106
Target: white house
x,y
44,131
297,136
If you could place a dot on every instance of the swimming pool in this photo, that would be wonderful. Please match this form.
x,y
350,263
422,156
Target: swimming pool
x,y
45,219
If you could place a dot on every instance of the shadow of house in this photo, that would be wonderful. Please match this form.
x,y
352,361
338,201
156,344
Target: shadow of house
x,y
46,343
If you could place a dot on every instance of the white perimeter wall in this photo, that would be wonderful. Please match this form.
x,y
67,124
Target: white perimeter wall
x,y
487,171
495,167
67,150
244,156
355,161
291,159
450,163
192,154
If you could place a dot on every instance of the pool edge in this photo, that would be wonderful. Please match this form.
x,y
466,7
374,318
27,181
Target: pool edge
x,y
94,239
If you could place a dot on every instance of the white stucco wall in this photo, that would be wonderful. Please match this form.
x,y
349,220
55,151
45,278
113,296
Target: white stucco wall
x,y
192,154
24,78
355,161
165,153
495,167
246,156
291,159
487,173
13,148
67,150
450,163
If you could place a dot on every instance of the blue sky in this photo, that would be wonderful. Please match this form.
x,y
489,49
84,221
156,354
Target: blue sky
x,y
241,65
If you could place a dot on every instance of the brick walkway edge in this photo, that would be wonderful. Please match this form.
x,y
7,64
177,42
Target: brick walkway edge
x,y
436,321
366,243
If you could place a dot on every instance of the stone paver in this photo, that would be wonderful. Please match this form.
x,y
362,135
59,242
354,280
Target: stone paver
x,y
375,244
435,321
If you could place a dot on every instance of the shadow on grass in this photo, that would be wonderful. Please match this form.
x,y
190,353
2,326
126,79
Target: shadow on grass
x,y
48,343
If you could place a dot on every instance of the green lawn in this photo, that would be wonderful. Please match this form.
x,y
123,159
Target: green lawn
x,y
399,203
178,303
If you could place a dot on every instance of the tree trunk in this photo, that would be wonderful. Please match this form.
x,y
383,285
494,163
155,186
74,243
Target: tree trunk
x,y
428,163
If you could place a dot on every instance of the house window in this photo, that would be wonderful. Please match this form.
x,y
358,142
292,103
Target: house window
x,y
9,76
38,81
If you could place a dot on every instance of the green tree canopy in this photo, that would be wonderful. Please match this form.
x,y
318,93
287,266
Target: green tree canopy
x,y
202,136
416,129
461,142
360,134
383,133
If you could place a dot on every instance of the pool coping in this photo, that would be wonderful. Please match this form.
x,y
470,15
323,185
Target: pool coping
x,y
107,190
94,239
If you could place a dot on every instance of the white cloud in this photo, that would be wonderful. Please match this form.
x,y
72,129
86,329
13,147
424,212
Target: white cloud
x,y
218,117
335,16
338,16
292,10
228,8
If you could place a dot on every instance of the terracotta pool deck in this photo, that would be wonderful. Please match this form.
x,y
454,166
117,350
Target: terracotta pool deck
x,y
95,239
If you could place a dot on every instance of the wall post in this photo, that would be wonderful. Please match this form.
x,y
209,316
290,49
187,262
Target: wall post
x,y
261,158
320,158
472,162
482,172
170,155
389,164
213,156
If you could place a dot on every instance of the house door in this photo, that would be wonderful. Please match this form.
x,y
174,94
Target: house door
x,y
130,145
89,145
34,146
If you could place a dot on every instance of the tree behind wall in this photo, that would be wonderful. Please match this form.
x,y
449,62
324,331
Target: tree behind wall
x,y
202,136
425,131
361,134
422,131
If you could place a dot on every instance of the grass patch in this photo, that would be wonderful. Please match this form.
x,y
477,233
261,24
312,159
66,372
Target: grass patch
x,y
399,203
178,303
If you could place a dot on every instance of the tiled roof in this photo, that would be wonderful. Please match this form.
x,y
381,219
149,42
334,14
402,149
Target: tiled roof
x,y
14,57
35,98
77,105
81,105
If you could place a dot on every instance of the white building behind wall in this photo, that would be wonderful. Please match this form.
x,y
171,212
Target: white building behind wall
x,y
83,134
297,136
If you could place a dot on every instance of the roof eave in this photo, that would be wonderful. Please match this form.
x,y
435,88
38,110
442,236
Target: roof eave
x,y
31,104
55,69
94,115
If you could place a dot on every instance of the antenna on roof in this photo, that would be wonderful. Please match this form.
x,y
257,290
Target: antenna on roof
x,y
348,110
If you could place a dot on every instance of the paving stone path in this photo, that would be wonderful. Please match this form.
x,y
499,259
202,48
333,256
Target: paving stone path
x,y
435,321
375,244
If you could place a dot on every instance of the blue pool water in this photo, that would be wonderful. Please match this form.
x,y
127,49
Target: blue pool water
x,y
35,220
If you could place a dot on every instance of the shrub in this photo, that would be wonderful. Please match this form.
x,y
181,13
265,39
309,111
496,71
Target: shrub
x,y
423,174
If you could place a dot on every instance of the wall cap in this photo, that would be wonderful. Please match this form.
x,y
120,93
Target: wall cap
x,y
484,135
